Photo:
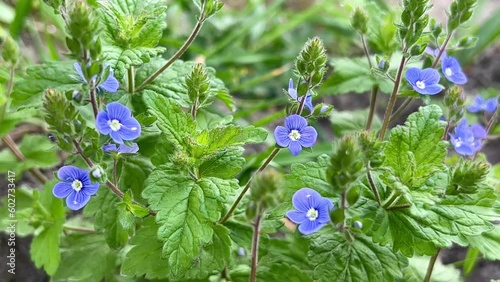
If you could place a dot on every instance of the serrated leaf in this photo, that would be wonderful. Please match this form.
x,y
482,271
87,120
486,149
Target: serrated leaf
x,y
44,249
145,256
106,217
133,173
122,59
225,164
415,151
187,210
86,257
171,82
172,120
487,243
58,75
337,259
354,75
311,175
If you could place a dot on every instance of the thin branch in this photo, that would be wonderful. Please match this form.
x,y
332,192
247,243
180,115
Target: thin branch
x,y
365,49
131,80
20,157
373,102
79,229
430,267
372,185
401,108
441,50
255,245
93,100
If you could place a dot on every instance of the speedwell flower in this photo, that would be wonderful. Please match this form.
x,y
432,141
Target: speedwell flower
x,y
111,84
117,121
292,92
480,104
75,186
121,149
312,211
424,81
295,134
452,70
467,138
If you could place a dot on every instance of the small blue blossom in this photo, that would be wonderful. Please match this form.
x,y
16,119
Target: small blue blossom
x,y
295,134
75,186
121,149
480,104
424,81
452,70
312,211
293,94
434,52
111,84
117,121
467,138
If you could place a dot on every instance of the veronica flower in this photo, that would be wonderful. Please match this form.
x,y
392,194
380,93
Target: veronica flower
x,y
111,84
292,92
467,138
121,149
75,186
295,134
434,52
452,70
480,104
424,81
312,211
117,121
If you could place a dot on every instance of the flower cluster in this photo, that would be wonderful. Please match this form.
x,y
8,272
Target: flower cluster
x,y
312,211
480,104
295,134
75,186
111,84
467,138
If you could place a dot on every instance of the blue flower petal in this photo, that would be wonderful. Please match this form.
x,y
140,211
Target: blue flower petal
x,y
78,69
116,136
122,148
130,129
118,111
101,123
310,226
62,190
412,76
90,189
324,207
111,84
69,173
478,131
77,200
432,89
308,137
295,122
294,148
296,216
491,105
281,136
305,198
292,91
430,76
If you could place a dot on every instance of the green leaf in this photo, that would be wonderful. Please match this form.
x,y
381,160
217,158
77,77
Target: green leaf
x,y
338,259
23,211
144,258
417,268
214,256
225,164
106,217
44,249
351,121
171,82
86,257
28,91
312,175
14,118
354,75
172,120
38,151
133,173
415,151
487,243
122,59
187,210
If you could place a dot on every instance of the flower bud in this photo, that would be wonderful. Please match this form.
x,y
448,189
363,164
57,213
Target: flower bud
x,y
357,224
198,85
322,110
345,164
265,188
311,62
359,21
10,49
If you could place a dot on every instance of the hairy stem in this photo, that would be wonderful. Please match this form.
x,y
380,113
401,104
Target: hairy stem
x,y
255,245
401,108
372,185
131,80
441,50
79,229
114,172
392,99
430,267
179,52
9,86
373,101
20,157
93,100
247,186
365,49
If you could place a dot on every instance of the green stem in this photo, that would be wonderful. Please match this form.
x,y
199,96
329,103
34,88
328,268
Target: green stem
x,y
179,52
93,100
131,80
365,49
391,199
430,267
401,108
79,229
372,185
373,101
9,142
392,99
9,86
247,186
255,245
441,50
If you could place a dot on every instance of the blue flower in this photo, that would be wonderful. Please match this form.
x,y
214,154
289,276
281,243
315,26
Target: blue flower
x,y
111,84
312,211
424,81
467,138
121,149
75,186
434,52
117,121
292,92
295,134
480,104
452,70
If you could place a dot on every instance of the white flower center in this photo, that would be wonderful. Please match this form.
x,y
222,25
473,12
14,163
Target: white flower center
x,y
77,185
115,125
448,72
294,135
458,142
420,84
312,214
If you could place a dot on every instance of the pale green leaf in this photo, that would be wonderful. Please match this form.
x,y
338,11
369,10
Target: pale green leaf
x,y
225,164
487,243
417,268
38,152
122,59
